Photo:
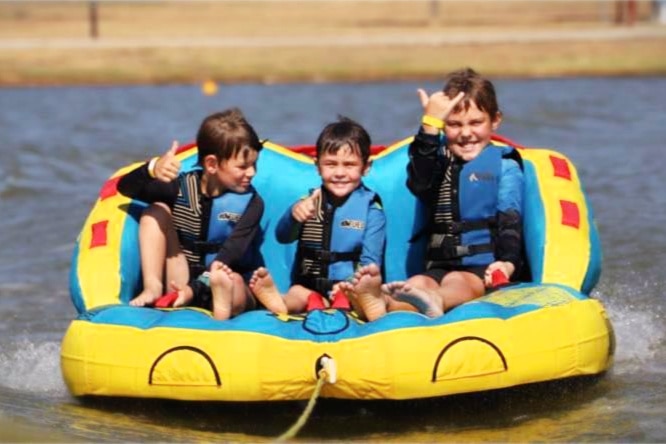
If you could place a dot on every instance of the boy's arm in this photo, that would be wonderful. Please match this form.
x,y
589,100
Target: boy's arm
x,y
424,168
154,181
509,210
374,237
235,246
287,227
138,184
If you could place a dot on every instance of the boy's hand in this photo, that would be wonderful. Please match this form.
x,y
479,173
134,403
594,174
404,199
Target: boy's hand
x,y
307,208
505,267
438,104
168,166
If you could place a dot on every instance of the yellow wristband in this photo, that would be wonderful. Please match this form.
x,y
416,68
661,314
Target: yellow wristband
x,y
432,121
151,166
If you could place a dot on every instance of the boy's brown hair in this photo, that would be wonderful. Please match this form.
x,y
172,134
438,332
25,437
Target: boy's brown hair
x,y
226,134
476,88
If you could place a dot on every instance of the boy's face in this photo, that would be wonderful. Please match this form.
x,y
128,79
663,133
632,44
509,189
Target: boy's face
x,y
236,173
468,131
341,173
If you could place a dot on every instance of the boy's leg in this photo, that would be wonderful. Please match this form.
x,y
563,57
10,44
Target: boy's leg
x,y
459,287
434,299
153,228
263,287
177,268
222,288
296,299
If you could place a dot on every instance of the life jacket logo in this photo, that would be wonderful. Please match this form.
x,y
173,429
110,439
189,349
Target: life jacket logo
x,y
353,224
485,177
229,217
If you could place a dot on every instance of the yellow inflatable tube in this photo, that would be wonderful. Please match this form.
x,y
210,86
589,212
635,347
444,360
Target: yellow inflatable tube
x,y
541,330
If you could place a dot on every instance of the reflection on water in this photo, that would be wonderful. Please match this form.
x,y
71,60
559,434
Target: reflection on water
x,y
60,144
532,413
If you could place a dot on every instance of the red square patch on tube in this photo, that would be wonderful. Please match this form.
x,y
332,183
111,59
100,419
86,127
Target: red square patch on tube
x,y
98,234
560,167
570,213
109,189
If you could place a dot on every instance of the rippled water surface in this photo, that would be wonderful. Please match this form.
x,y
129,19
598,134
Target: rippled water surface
x,y
58,145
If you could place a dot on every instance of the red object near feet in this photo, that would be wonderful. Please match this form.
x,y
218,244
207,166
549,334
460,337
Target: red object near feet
x,y
166,300
315,302
340,301
499,278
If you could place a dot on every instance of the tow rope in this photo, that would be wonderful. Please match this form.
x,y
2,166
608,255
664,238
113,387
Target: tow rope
x,y
326,373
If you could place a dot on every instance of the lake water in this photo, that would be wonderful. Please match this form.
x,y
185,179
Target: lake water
x,y
58,145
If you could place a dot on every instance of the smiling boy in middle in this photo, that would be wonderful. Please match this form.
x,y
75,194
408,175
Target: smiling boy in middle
x,y
340,228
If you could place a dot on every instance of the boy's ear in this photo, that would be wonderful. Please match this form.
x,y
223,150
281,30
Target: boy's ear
x,y
367,166
210,164
497,120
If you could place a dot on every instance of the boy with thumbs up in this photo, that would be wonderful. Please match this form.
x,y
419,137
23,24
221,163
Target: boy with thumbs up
x,y
200,226
339,226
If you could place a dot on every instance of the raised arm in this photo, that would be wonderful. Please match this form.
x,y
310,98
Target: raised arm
x,y
154,181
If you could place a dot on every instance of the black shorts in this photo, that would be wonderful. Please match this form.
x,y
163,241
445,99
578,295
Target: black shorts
x,y
438,273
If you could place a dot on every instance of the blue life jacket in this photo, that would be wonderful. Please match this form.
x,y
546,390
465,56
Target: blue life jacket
x,y
475,211
226,210
336,256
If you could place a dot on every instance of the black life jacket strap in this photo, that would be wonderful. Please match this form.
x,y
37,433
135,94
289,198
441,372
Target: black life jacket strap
x,y
463,226
328,257
319,284
447,252
200,247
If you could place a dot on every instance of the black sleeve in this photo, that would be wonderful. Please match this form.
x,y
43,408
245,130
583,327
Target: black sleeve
x,y
241,238
138,184
424,169
509,238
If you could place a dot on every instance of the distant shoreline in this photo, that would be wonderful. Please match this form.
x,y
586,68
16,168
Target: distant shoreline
x,y
237,42
194,65
531,36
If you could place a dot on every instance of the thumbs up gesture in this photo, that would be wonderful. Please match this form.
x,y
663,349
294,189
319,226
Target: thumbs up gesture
x,y
167,166
307,208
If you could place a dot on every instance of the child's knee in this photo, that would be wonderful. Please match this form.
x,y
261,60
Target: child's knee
x,y
422,281
237,279
157,211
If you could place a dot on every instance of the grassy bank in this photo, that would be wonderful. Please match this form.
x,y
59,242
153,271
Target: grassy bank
x,y
260,41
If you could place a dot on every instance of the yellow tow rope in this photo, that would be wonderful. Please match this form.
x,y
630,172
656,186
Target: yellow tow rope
x,y
322,377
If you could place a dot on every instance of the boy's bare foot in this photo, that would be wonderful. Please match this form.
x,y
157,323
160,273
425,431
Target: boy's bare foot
x,y
367,289
424,301
146,297
185,294
222,287
263,287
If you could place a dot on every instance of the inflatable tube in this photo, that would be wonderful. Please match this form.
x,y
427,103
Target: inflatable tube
x,y
545,329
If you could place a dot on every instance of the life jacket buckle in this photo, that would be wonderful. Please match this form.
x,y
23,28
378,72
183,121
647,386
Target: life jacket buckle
x,y
455,227
325,255
461,250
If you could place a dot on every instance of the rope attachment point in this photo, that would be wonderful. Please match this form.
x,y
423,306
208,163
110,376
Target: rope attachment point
x,y
326,371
